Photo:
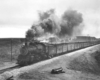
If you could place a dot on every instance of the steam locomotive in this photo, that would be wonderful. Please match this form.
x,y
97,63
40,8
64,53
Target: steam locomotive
x,y
36,51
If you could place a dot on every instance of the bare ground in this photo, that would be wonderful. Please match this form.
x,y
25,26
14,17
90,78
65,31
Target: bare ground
x,y
80,65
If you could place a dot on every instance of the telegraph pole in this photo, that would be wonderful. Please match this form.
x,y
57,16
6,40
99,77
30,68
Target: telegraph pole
x,y
11,49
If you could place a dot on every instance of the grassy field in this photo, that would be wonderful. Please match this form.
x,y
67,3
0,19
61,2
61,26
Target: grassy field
x,y
8,46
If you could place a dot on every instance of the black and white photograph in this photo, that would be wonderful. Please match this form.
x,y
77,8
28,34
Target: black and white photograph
x,y
49,39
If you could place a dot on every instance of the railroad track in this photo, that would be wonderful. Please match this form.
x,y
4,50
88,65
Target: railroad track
x,y
9,68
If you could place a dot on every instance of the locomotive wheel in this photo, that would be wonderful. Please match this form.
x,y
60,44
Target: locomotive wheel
x,y
37,57
50,56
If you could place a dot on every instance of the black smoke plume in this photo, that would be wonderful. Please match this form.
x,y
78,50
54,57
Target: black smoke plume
x,y
49,23
71,19
45,15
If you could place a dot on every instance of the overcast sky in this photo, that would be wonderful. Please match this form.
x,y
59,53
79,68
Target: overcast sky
x,y
16,16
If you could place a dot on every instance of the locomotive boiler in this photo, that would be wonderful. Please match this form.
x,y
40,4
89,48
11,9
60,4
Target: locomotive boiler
x,y
36,51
